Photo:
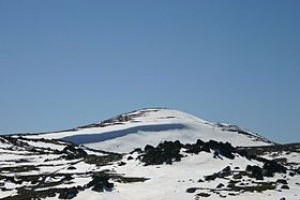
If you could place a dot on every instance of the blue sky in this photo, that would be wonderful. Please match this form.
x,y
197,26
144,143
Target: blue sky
x,y
68,63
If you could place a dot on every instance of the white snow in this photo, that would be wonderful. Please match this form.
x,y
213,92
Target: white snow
x,y
135,130
152,126
40,144
171,181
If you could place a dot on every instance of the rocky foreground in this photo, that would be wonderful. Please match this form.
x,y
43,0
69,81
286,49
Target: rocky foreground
x,y
55,169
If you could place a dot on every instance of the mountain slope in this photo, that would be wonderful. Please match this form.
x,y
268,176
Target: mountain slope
x,y
136,129
53,169
166,154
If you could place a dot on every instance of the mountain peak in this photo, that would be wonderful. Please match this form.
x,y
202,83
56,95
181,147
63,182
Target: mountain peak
x,y
148,115
128,131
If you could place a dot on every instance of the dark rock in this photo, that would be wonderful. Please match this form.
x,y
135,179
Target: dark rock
x,y
193,149
130,158
226,169
71,168
121,163
148,147
256,172
211,177
244,153
286,187
282,181
220,185
292,174
166,152
196,148
68,193
237,176
206,148
51,194
233,181
191,190
213,144
98,187
224,149
74,152
225,172
200,142
271,167
203,194
100,183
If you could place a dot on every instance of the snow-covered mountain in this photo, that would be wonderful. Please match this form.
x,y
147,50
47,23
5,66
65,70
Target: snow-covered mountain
x,y
136,129
148,154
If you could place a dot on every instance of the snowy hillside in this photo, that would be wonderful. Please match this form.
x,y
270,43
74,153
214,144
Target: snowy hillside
x,y
53,169
148,154
133,130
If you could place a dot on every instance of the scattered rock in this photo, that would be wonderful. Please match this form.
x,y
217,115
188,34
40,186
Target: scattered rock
x,y
256,172
237,176
98,187
202,194
292,174
282,181
222,174
271,167
191,190
69,193
73,152
226,169
122,163
166,152
100,183
286,187
129,158
71,168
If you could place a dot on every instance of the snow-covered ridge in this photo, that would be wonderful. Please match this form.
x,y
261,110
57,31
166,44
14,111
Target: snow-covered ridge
x,y
136,129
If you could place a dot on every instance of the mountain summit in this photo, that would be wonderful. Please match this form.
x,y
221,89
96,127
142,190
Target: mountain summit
x,y
136,129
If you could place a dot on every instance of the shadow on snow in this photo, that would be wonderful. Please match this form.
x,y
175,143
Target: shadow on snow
x,y
90,138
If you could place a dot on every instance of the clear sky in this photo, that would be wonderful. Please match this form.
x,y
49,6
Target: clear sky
x,y
69,63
